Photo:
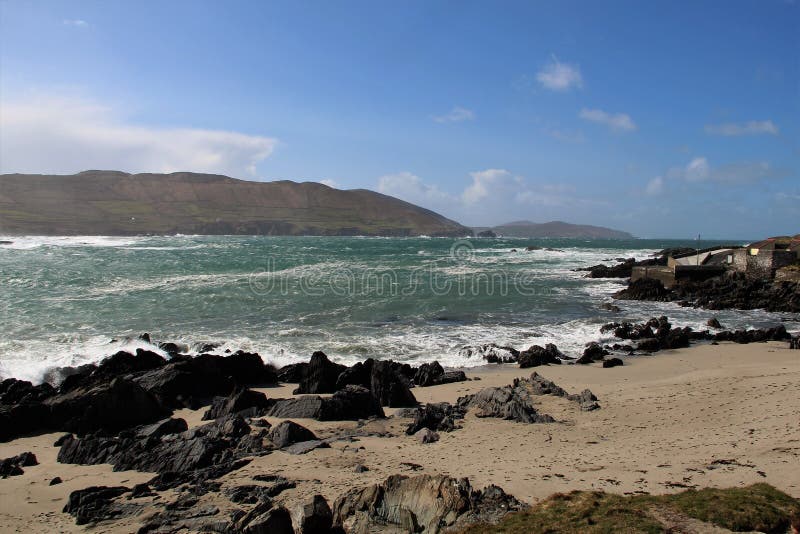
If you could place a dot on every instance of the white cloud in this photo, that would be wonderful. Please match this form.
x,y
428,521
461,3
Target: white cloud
x,y
78,23
558,76
746,128
330,183
457,114
697,170
655,186
619,122
482,183
67,135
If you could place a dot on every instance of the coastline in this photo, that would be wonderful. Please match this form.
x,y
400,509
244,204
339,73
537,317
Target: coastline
x,y
707,416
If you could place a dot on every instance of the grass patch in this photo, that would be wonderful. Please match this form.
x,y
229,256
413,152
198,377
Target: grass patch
x,y
759,507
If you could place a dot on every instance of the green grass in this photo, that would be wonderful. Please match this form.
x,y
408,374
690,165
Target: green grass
x,y
759,507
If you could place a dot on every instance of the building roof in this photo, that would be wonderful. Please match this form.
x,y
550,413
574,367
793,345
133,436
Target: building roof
x,y
778,242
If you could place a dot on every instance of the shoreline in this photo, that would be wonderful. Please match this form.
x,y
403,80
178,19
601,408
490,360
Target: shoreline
x,y
710,415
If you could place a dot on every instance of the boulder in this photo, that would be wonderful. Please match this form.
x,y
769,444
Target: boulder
x,y
436,417
288,433
358,375
349,404
539,385
95,503
714,323
426,435
424,503
510,402
794,343
649,345
389,386
320,376
612,362
276,520
293,373
645,289
13,391
592,353
11,467
536,356
244,402
108,407
586,399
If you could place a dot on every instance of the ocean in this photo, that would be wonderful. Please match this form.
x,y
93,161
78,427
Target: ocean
x,y
74,300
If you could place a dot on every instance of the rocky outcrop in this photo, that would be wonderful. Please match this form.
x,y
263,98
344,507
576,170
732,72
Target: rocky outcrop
x,y
349,404
441,416
425,504
513,403
97,503
390,387
312,517
612,362
243,402
196,456
433,374
320,375
288,433
491,352
777,333
536,356
11,467
593,352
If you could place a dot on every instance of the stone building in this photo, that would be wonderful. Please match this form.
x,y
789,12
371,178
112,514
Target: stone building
x,y
764,258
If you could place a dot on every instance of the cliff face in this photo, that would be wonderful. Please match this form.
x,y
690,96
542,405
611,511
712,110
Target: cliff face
x,y
117,203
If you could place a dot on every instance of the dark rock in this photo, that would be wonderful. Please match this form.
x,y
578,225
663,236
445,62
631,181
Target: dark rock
x,y
539,385
24,418
243,402
436,417
486,233
60,441
360,468
145,337
676,338
510,402
714,323
644,289
157,430
313,517
10,467
621,270
13,391
305,447
649,345
273,521
251,494
141,490
55,481
94,504
794,343
610,307
536,356
173,349
586,399
349,404
320,376
389,386
777,333
358,375
491,352
293,373
592,353
108,407
612,362
288,433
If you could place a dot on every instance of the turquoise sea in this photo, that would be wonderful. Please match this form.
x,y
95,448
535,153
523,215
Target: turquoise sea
x,y
72,300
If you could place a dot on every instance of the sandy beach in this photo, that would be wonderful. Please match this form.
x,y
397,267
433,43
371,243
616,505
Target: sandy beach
x,y
709,416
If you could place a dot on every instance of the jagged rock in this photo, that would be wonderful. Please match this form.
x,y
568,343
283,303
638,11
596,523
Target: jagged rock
x,y
436,417
305,447
491,352
314,517
509,402
196,455
156,430
96,503
612,362
592,353
714,323
55,481
432,374
541,386
108,407
320,376
426,435
349,404
424,503
293,373
185,515
253,493
777,333
676,338
389,386
190,382
243,402
586,399
10,467
358,375
644,289
13,391
266,519
288,433
536,356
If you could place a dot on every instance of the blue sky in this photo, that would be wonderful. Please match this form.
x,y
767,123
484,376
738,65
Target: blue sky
x,y
664,119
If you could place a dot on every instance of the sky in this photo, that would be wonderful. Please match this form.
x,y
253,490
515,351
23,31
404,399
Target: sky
x,y
661,118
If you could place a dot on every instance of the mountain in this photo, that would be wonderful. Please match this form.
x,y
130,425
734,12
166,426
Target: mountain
x,y
556,229
118,203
